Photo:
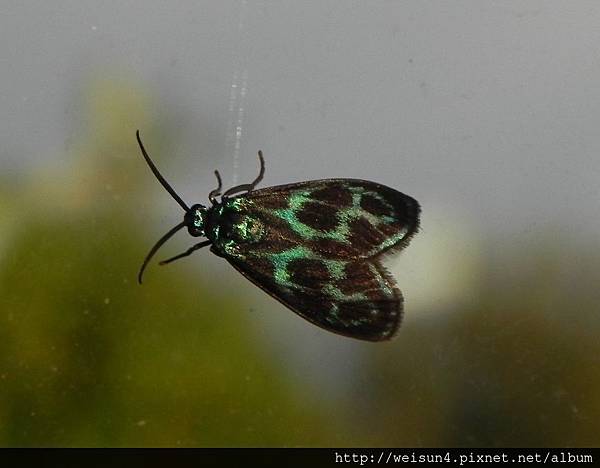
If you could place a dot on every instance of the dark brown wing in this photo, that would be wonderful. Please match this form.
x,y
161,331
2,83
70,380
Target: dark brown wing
x,y
314,246
364,303
337,218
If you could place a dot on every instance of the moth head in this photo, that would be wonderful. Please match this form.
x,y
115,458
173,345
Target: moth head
x,y
195,220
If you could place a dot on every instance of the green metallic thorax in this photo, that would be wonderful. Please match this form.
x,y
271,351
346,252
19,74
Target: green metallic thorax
x,y
232,227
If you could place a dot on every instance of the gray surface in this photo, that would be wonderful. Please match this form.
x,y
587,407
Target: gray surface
x,y
488,106
486,112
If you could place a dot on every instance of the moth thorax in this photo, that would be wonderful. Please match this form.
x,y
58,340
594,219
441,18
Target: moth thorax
x,y
249,230
195,220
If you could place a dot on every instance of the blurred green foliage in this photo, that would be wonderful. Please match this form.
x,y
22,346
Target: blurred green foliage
x,y
88,358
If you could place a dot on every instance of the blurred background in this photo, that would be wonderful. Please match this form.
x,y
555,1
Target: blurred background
x,y
485,112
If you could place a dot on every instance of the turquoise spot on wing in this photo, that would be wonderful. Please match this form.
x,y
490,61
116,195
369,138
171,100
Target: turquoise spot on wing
x,y
282,277
336,268
335,293
358,322
388,219
280,261
342,231
295,203
332,315
383,285
289,215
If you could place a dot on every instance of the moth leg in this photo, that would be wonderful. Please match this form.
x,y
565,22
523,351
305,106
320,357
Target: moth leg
x,y
248,187
216,192
189,251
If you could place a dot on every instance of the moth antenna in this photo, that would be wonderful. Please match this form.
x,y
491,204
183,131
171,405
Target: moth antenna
x,y
157,246
158,175
219,181
261,172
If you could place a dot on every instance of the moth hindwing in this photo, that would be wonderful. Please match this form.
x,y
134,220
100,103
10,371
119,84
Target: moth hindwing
x,y
314,246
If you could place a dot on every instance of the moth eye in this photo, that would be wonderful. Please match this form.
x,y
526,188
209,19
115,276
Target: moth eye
x,y
198,223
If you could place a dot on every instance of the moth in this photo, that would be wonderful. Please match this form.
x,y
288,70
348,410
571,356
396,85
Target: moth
x,y
315,246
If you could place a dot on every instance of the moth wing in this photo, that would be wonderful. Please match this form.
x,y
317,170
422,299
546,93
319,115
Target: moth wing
x,y
337,218
359,300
